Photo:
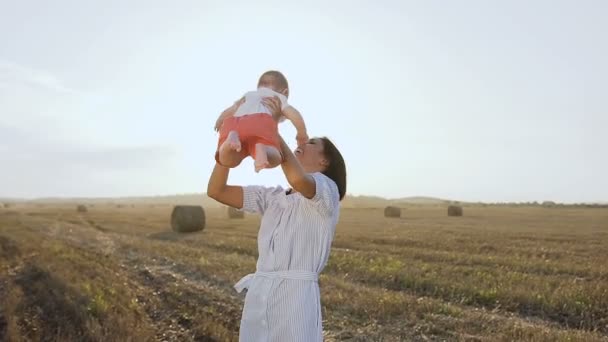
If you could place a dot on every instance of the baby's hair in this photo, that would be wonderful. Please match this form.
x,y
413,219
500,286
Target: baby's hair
x,y
273,79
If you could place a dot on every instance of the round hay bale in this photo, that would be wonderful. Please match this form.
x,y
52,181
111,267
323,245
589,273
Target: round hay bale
x,y
234,213
7,205
81,208
391,211
454,210
187,218
549,204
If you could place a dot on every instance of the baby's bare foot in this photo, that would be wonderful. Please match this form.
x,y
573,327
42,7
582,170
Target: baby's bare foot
x,y
259,165
232,142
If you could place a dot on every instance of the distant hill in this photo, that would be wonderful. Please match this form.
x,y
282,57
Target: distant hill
x,y
193,199
380,202
349,201
422,200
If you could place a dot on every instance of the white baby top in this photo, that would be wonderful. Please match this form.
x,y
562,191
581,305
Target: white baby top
x,y
253,102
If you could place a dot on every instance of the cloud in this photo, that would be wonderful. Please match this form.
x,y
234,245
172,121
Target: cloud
x,y
54,143
12,74
31,166
19,145
37,100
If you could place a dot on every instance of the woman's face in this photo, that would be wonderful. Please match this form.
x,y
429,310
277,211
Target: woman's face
x,y
311,156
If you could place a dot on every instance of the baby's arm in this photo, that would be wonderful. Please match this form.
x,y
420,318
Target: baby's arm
x,y
296,119
228,112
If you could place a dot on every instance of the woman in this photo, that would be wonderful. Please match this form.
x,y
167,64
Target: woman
x,y
297,228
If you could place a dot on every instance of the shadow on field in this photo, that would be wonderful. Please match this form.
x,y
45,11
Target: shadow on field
x,y
171,236
8,248
51,307
3,327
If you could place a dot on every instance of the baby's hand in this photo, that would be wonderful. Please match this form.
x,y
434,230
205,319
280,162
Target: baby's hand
x,y
302,138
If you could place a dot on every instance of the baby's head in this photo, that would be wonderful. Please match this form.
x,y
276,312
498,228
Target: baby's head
x,y
274,80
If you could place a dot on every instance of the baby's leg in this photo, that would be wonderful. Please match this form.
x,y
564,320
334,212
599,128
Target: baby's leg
x,y
266,157
230,152
233,142
231,158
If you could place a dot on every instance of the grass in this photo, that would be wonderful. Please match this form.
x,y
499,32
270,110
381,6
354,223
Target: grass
x,y
496,274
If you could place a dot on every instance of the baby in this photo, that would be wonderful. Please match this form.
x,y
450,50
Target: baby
x,y
249,125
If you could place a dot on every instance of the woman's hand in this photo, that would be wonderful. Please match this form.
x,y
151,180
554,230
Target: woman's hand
x,y
274,105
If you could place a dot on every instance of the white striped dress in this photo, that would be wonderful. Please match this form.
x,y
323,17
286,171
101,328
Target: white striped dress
x,y
283,299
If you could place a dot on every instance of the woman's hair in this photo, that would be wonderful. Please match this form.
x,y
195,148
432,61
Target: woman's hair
x,y
336,170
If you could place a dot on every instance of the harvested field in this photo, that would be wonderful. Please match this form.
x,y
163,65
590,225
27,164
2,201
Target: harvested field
x,y
497,273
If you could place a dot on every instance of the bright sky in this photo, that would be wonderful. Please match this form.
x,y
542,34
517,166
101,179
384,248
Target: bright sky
x,y
469,100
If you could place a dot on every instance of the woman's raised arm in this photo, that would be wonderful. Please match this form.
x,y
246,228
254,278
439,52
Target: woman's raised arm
x,y
217,188
299,180
297,177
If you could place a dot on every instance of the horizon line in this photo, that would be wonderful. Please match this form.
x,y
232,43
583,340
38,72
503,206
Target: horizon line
x,y
67,198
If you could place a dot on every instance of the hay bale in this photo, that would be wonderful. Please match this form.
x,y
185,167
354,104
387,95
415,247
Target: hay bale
x,y
81,208
7,205
187,218
454,210
391,211
234,213
549,204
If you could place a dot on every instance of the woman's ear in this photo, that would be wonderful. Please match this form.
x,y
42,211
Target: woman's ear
x,y
324,162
